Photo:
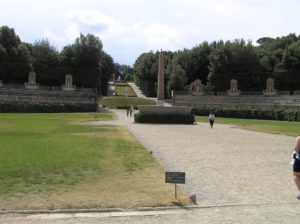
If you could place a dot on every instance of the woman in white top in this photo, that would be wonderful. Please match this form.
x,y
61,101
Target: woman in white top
x,y
296,164
211,118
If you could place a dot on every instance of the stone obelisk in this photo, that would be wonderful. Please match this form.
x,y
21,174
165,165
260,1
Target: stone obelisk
x,y
161,77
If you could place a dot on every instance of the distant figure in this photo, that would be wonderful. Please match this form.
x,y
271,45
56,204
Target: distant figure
x,y
211,118
296,165
131,110
128,109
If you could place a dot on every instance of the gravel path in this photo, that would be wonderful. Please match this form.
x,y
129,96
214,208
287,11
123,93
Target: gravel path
x,y
238,176
224,165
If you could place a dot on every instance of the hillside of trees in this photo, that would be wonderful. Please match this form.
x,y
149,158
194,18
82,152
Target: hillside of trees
x,y
216,63
84,59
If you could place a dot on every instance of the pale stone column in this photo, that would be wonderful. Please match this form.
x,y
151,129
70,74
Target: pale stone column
x,y
160,78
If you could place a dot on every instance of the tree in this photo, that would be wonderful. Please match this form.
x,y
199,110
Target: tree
x,y
23,54
146,69
177,79
89,64
87,51
123,71
238,60
10,41
291,56
44,55
107,69
3,53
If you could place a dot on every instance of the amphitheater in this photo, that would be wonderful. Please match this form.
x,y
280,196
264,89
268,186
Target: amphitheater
x,y
238,102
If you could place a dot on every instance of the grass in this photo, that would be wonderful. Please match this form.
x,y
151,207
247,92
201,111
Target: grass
x,y
270,126
120,90
124,102
58,161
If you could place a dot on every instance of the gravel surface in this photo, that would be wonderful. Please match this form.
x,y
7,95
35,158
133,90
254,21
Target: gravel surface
x,y
238,176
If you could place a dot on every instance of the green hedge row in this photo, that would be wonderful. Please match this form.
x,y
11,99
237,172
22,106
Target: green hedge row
x,y
284,115
6,107
170,118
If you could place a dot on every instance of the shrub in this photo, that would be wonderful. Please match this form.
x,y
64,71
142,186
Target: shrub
x,y
264,114
169,118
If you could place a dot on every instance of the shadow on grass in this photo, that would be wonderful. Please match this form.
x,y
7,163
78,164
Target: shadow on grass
x,y
180,205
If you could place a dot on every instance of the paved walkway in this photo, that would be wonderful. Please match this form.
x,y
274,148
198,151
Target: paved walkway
x,y
238,176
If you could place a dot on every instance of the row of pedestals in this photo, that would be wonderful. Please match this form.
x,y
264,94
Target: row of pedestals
x,y
234,91
31,84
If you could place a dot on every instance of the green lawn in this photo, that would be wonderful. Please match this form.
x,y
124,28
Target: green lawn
x,y
120,90
58,161
123,102
270,126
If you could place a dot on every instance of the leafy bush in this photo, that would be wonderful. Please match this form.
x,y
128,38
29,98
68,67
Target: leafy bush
x,y
169,118
284,115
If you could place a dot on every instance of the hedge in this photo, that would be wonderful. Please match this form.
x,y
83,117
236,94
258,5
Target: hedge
x,y
169,118
264,114
6,107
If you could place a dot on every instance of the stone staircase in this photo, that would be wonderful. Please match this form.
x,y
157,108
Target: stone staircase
x,y
137,90
17,93
139,93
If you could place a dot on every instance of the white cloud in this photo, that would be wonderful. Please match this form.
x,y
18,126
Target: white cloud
x,y
160,36
131,27
152,36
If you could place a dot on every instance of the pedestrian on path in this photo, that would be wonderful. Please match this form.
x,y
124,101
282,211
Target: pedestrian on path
x,y
296,164
131,110
211,118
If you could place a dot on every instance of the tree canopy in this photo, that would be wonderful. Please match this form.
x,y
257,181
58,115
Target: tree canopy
x,y
216,63
84,59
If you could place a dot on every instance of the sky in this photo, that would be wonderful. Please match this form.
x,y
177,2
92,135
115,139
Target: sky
x,y
128,28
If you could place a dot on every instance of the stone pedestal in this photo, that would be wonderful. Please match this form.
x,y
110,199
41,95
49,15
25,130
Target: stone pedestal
x,y
27,86
270,93
234,93
197,93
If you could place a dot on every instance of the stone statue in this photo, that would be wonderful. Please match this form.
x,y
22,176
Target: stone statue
x,y
270,85
31,78
198,88
270,89
68,86
69,81
31,84
198,85
233,91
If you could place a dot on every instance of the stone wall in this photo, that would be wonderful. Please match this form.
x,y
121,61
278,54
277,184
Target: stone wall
x,y
47,95
238,102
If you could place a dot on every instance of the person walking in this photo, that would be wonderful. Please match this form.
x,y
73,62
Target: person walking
x,y
211,118
127,109
131,110
296,165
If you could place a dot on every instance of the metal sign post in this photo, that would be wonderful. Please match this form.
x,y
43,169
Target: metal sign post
x,y
175,178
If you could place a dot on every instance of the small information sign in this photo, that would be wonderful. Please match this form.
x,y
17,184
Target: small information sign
x,y
175,177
